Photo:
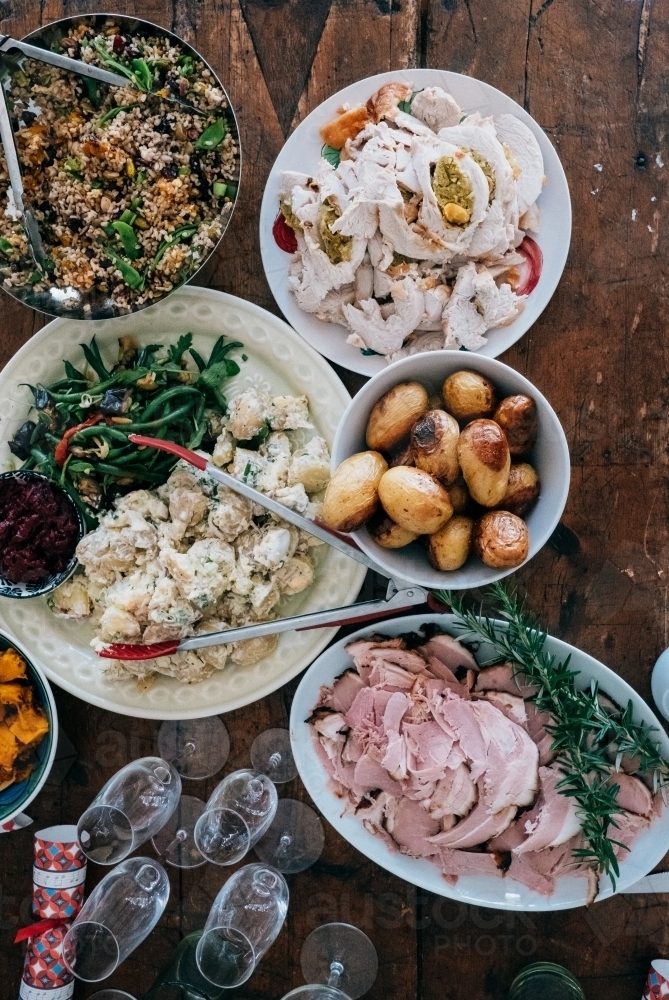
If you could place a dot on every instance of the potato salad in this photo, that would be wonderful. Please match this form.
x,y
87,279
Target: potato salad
x,y
193,556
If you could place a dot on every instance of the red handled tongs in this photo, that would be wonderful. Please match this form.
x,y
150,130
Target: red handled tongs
x,y
395,602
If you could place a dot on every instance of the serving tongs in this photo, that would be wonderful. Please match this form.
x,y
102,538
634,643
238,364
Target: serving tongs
x,y
7,43
396,600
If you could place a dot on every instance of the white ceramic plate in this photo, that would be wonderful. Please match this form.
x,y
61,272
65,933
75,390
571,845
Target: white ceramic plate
x,y
302,151
279,361
500,893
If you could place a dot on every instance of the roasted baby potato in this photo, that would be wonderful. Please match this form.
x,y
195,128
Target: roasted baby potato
x,y
485,461
449,547
394,415
414,500
434,443
468,395
460,497
522,489
518,418
352,495
501,539
402,455
389,535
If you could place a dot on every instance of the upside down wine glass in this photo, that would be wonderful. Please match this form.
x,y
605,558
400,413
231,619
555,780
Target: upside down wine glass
x,y
120,912
338,961
238,812
130,809
243,923
271,754
294,840
196,748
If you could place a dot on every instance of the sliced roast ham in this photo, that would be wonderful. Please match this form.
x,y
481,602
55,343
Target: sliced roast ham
x,y
503,677
454,795
362,708
456,715
553,820
396,706
450,652
370,775
345,689
633,796
510,705
477,828
411,827
511,775
429,748
468,863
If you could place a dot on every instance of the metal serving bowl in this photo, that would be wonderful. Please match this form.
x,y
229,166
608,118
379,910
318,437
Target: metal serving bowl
x,y
21,590
93,303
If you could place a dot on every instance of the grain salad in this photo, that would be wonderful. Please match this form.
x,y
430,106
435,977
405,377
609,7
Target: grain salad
x,y
131,187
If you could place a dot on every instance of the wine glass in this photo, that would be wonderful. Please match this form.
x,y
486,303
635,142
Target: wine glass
x,y
134,804
271,754
340,957
175,991
294,840
244,921
316,992
175,842
112,995
196,748
120,912
238,812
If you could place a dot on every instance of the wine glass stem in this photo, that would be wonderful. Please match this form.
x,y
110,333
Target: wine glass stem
x,y
284,844
275,759
336,970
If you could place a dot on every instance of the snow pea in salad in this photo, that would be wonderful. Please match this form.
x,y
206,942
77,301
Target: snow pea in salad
x,y
79,434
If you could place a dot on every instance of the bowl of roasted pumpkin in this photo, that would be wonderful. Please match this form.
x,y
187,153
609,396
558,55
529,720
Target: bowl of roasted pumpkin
x,y
450,469
28,729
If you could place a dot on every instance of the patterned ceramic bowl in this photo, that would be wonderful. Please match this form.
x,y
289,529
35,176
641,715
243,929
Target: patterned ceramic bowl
x,y
16,797
10,589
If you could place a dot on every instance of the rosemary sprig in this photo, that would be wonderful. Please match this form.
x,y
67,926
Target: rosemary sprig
x,y
590,739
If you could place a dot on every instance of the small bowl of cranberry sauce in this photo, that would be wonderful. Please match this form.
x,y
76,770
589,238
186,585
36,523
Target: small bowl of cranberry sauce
x,y
40,528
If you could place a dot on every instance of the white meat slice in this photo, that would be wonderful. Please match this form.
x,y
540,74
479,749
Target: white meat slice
x,y
435,300
435,108
313,274
496,231
418,345
476,305
524,154
331,308
372,331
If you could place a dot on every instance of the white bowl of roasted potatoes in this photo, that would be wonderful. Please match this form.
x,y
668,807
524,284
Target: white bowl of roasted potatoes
x,y
450,470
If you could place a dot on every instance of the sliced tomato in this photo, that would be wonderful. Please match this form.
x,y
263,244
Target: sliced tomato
x,y
530,271
284,236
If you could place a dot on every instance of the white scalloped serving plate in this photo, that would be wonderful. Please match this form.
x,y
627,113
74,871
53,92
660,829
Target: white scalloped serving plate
x,y
277,359
302,151
500,893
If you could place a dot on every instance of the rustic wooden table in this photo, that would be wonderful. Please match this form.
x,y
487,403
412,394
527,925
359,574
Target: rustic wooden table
x,y
592,73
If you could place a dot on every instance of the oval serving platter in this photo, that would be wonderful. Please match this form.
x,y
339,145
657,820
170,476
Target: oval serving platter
x,y
279,361
500,893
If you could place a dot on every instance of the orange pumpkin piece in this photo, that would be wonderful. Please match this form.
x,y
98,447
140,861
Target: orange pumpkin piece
x,y
15,694
12,667
9,748
29,726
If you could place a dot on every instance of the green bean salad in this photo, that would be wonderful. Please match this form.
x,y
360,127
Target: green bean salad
x,y
79,438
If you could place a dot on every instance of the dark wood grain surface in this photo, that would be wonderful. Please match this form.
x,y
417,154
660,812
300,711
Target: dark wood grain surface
x,y
593,74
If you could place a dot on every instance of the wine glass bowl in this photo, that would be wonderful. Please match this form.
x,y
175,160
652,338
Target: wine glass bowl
x,y
117,916
132,806
237,814
243,923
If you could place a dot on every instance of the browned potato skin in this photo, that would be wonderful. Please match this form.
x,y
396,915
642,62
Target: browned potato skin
x,y
501,539
485,461
394,415
403,456
460,497
468,395
518,418
434,443
352,494
414,500
522,489
389,535
449,548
